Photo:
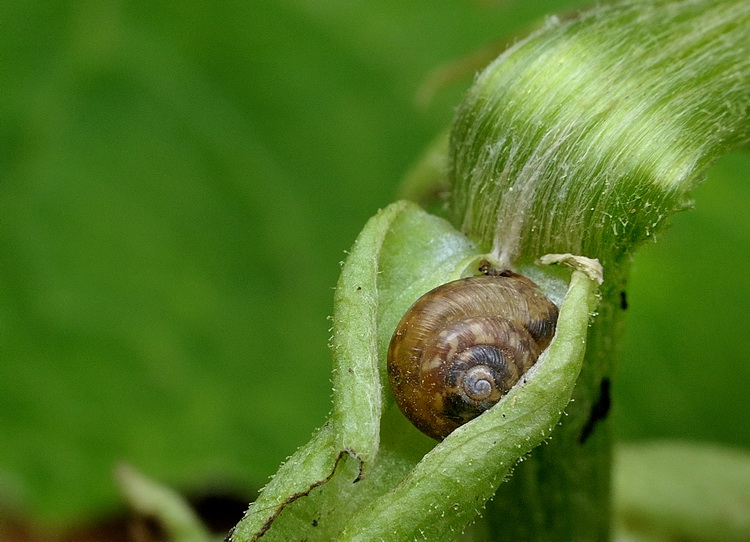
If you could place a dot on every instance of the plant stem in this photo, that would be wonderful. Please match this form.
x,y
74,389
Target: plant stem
x,y
562,490
581,139
584,138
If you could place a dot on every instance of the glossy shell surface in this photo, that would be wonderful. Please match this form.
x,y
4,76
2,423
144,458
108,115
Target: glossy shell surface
x,y
461,347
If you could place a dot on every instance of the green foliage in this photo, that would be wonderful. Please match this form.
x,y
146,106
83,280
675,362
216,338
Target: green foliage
x,y
177,184
677,491
683,375
154,500
585,137
352,482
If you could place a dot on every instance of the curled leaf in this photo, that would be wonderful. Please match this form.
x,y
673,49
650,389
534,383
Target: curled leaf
x,y
400,253
447,488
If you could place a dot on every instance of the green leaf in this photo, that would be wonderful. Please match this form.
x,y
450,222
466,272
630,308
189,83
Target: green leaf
x,y
449,486
173,209
682,491
153,500
585,136
401,253
164,231
685,299
353,429
354,425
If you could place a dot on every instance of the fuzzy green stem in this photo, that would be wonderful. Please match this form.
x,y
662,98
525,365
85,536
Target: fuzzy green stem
x,y
563,490
584,138
580,139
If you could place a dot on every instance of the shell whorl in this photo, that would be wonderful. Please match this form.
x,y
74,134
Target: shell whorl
x,y
461,347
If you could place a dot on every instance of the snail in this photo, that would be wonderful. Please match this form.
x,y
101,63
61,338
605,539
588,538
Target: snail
x,y
461,347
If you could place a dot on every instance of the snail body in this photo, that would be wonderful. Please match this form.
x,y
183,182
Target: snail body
x,y
461,347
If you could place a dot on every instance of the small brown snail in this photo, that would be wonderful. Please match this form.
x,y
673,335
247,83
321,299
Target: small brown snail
x,y
461,347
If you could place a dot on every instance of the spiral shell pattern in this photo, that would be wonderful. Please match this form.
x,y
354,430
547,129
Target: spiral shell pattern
x,y
461,347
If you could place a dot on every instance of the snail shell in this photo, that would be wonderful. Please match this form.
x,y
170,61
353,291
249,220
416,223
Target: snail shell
x,y
461,347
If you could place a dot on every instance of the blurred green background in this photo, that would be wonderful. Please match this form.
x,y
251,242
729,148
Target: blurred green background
x,y
178,184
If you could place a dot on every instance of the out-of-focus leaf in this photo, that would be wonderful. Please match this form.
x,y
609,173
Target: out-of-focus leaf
x,y
177,185
685,368
680,491
151,499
